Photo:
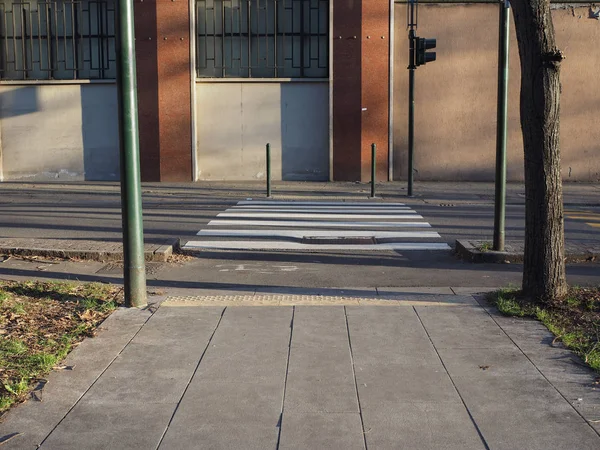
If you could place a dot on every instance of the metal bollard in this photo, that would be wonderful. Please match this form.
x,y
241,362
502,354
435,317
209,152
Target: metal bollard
x,y
268,170
373,162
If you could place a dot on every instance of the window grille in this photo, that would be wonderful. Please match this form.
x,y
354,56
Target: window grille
x,y
262,38
57,40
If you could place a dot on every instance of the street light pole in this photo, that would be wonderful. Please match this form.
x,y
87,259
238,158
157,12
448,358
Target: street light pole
x,y
134,271
500,197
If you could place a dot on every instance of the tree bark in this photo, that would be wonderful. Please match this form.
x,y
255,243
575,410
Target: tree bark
x,y
544,267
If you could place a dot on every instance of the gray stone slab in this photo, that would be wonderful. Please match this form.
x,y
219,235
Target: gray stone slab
x,y
527,399
145,374
332,431
423,426
181,327
124,426
383,387
445,297
320,375
462,327
472,290
483,364
388,335
414,290
158,364
506,433
250,345
219,415
35,419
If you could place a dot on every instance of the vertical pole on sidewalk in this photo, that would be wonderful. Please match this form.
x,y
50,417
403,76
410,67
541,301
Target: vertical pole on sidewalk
x,y
373,171
269,170
134,271
500,197
411,112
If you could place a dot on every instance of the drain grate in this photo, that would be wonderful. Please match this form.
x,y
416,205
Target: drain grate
x,y
152,268
341,240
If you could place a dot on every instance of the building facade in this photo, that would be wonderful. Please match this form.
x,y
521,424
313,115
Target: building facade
x,y
320,80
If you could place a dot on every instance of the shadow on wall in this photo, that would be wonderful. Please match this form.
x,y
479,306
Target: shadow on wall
x,y
304,132
100,132
59,132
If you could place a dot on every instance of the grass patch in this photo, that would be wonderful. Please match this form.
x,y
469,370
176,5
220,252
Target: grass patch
x,y
485,246
40,322
574,319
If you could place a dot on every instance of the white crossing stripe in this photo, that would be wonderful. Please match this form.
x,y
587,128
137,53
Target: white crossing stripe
x,y
317,226
283,245
320,233
309,210
318,208
408,215
293,203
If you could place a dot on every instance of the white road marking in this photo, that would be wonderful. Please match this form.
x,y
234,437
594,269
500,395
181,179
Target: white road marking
x,y
315,207
317,224
293,203
320,233
258,225
323,210
408,215
283,245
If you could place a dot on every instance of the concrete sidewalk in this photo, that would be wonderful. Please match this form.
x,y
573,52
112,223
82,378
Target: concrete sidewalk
x,y
387,371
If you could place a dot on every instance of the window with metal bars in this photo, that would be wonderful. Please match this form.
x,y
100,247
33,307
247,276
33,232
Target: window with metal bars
x,y
57,40
262,38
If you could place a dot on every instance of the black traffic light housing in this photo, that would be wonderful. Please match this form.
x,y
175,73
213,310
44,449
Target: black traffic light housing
x,y
422,56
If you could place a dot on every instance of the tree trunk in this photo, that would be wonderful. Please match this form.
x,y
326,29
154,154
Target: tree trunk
x,y
544,266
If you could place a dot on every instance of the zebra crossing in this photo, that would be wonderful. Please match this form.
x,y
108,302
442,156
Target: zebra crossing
x,y
317,226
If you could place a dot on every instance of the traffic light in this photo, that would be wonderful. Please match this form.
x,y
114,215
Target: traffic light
x,y
422,55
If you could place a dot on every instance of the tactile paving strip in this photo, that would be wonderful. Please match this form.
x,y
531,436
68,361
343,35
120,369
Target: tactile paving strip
x,y
316,300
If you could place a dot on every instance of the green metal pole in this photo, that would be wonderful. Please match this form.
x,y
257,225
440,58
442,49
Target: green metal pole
x,y
411,111
134,271
500,197
373,163
268,170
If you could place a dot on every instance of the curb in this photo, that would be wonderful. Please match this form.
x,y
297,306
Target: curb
x,y
159,254
470,251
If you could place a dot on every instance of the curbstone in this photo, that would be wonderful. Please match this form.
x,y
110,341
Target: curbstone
x,y
52,249
470,251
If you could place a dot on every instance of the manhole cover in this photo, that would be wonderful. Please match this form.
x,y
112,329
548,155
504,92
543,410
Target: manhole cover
x,y
117,268
342,240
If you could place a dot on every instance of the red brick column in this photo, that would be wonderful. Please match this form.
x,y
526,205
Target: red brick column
x,y
164,97
361,49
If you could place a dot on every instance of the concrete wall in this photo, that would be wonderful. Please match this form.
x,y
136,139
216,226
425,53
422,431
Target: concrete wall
x,y
236,120
59,132
455,118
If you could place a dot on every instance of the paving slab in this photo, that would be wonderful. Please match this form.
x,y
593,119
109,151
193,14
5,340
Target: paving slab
x,y
38,416
382,387
423,426
173,361
388,335
488,363
415,290
104,426
332,431
320,373
250,345
462,327
227,415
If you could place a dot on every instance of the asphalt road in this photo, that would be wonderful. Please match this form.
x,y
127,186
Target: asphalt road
x,y
455,210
